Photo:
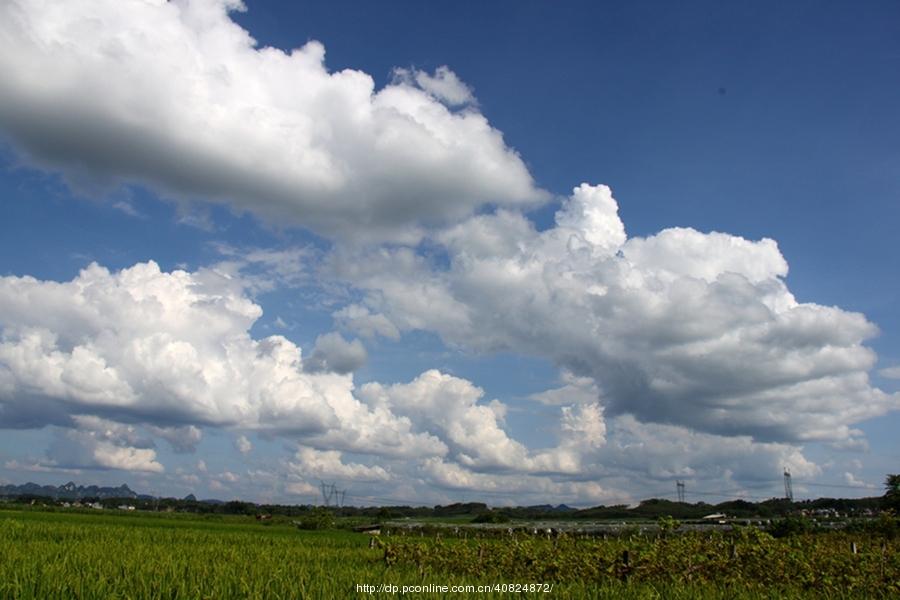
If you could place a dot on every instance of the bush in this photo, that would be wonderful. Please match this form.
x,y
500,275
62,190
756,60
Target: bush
x,y
667,524
491,516
791,526
318,518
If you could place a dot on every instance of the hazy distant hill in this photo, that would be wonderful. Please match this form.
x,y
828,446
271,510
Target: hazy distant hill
x,y
549,508
69,491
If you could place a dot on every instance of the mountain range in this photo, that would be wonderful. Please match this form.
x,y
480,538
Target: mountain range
x,y
68,491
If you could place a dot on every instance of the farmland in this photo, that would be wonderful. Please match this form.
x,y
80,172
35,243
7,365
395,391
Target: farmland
x,y
155,555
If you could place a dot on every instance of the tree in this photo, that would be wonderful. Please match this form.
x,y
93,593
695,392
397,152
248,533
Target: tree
x,y
892,492
317,518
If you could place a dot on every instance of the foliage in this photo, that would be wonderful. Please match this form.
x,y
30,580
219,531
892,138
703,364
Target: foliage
x,y
667,524
745,561
148,556
892,493
491,516
791,526
318,518
886,525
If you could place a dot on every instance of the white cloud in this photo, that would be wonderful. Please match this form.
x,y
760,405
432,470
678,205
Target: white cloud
x,y
38,466
890,372
301,488
516,489
657,452
263,270
128,208
335,354
229,477
126,459
243,444
447,407
575,390
182,439
360,320
451,409
177,96
159,347
97,443
850,479
444,85
681,327
327,464
172,352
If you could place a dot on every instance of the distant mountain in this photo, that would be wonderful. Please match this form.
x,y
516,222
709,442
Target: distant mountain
x,y
69,491
549,508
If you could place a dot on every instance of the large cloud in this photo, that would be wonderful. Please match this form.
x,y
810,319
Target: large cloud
x,y
118,359
176,95
173,351
683,327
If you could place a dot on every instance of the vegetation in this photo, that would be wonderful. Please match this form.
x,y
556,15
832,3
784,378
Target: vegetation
x,y
744,562
892,493
318,518
491,516
105,554
647,510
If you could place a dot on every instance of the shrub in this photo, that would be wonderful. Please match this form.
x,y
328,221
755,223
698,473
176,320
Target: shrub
x,y
318,518
491,516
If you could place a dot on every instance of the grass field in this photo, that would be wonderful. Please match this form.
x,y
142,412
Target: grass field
x,y
62,555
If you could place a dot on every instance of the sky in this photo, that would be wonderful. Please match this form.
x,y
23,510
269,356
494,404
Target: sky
x,y
509,252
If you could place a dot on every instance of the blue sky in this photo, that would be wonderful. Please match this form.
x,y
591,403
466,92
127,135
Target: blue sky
x,y
395,202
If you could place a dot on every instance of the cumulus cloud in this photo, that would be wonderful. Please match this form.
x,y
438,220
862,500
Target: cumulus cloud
x,y
682,327
654,452
512,489
301,488
183,439
361,320
444,85
451,409
172,351
333,353
178,96
243,444
575,390
118,360
851,480
890,372
96,443
263,270
327,464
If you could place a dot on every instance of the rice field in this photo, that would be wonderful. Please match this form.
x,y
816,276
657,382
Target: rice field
x,y
63,555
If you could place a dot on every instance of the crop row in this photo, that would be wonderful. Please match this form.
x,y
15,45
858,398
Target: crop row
x,y
746,559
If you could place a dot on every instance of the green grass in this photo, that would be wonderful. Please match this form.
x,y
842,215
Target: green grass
x,y
104,554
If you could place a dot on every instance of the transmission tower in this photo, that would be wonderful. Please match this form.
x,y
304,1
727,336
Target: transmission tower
x,y
679,487
788,490
330,494
327,493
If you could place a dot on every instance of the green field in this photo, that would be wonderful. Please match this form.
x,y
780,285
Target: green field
x,y
48,555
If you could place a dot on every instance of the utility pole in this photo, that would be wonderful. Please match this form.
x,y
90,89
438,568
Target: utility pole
x,y
679,487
